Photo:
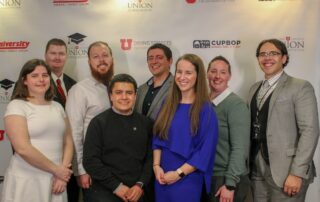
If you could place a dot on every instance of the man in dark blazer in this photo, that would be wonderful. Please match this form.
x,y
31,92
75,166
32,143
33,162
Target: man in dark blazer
x,y
56,56
284,129
151,95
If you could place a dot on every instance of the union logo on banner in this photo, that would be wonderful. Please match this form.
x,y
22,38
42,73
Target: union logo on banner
x,y
293,43
70,2
10,3
6,90
13,46
139,5
74,45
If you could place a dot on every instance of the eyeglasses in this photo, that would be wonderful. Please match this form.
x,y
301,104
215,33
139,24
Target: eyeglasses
x,y
270,54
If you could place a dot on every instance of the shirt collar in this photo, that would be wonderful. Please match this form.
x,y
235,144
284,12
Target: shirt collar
x,y
95,81
222,96
54,77
117,112
273,79
150,81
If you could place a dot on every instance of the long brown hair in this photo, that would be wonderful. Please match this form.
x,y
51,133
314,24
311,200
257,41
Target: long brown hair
x,y
21,90
169,108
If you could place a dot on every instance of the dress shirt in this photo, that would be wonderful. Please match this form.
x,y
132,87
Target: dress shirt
x,y
85,100
54,77
273,81
222,96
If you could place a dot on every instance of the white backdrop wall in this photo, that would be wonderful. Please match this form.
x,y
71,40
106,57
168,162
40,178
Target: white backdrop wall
x,y
232,28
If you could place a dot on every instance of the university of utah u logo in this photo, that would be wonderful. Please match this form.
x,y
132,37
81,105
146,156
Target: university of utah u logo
x,y
126,44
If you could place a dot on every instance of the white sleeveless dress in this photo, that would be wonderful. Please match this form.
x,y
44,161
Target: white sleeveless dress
x,y
46,126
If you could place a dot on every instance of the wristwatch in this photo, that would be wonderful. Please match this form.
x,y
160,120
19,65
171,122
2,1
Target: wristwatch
x,y
230,188
180,173
140,184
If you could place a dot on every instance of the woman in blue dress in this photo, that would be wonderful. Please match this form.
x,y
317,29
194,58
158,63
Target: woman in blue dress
x,y
186,133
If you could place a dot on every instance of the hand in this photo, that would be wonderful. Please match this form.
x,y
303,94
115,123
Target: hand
x,y
84,181
121,192
171,177
159,174
292,185
224,194
134,193
58,186
63,172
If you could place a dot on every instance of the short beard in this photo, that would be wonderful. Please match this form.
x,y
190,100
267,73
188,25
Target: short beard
x,y
102,77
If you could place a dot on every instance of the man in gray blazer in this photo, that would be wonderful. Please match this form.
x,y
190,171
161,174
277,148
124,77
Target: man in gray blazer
x,y
151,95
284,129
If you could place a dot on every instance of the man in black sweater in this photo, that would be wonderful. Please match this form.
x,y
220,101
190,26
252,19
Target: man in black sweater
x,y
117,148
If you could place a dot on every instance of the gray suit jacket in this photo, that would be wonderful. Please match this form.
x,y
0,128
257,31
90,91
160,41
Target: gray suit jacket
x,y
292,129
158,100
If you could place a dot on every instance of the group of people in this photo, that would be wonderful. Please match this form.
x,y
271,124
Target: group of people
x,y
178,137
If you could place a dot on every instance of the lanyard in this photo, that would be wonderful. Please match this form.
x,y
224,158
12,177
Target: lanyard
x,y
266,93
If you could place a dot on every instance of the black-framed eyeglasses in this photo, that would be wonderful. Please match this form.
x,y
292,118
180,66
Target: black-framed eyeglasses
x,y
270,54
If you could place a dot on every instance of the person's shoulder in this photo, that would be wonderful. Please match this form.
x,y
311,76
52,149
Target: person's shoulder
x,y
69,79
103,116
297,85
79,86
235,99
141,117
56,104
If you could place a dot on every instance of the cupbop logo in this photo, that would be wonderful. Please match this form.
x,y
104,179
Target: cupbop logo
x,y
199,44
70,2
293,43
14,46
75,49
139,5
6,90
10,3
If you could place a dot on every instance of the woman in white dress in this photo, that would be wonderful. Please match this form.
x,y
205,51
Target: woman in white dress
x,y
39,132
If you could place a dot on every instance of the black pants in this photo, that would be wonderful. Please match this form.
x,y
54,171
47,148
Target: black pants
x,y
240,193
73,190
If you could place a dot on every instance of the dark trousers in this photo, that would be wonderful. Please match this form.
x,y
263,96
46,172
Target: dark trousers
x,y
149,195
73,190
240,193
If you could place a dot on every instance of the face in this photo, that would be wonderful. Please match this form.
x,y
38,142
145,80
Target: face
x,y
100,59
38,81
271,60
158,62
123,97
56,57
218,76
186,76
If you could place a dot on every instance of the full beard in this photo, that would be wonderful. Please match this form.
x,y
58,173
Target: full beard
x,y
102,77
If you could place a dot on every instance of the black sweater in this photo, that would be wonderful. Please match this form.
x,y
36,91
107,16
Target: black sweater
x,y
117,149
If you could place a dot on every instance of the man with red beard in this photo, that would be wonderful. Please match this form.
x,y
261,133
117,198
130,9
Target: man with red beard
x,y
56,57
87,99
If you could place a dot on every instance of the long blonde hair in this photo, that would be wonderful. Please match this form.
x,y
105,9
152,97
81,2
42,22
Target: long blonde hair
x,y
163,122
